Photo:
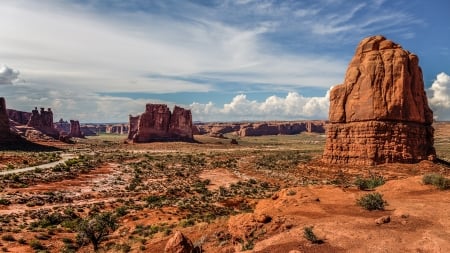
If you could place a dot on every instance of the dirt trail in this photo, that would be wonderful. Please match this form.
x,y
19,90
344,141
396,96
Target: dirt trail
x,y
64,158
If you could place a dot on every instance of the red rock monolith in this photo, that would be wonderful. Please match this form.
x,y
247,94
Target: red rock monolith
x,y
75,130
5,133
157,123
43,121
380,114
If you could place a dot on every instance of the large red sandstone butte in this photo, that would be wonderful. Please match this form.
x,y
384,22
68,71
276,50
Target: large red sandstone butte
x,y
43,121
157,123
75,130
380,114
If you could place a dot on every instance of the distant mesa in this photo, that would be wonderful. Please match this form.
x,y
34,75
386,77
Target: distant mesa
x,y
380,114
157,123
244,129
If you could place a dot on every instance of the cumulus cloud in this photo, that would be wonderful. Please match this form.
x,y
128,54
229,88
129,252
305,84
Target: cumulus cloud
x,y
8,75
292,107
439,96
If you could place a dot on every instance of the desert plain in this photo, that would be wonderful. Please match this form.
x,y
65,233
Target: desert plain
x,y
259,195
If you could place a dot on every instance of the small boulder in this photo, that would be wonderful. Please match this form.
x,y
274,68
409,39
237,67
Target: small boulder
x,y
179,243
383,220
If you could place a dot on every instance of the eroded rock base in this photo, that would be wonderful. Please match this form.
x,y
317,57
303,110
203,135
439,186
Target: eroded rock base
x,y
376,142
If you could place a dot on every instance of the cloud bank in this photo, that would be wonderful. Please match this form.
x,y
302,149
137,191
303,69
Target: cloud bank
x,y
8,75
439,96
292,107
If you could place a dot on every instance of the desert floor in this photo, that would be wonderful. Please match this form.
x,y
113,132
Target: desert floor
x,y
257,196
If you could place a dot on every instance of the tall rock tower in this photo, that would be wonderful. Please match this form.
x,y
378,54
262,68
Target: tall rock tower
x,y
380,114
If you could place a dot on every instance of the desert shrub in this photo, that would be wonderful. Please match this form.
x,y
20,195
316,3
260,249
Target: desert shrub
x,y
437,180
372,201
122,211
308,233
36,245
22,241
8,238
155,201
187,223
369,183
248,245
4,202
95,229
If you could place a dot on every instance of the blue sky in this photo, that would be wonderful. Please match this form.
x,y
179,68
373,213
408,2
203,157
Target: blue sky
x,y
101,60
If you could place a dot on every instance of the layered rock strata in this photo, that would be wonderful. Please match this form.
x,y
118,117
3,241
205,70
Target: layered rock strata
x,y
260,128
157,123
380,114
20,117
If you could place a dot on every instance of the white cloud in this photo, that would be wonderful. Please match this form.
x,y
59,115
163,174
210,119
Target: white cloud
x,y
439,96
292,107
116,51
8,75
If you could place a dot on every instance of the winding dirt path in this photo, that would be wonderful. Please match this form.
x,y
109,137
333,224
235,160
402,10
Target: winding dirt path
x,y
64,158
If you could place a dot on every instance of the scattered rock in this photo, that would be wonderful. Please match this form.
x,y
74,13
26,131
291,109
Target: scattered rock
x,y
263,218
179,243
383,220
380,114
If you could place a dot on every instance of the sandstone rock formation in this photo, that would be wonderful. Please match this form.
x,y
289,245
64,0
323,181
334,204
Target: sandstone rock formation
x,y
117,129
62,126
43,121
260,128
18,116
380,113
75,130
5,133
157,123
179,243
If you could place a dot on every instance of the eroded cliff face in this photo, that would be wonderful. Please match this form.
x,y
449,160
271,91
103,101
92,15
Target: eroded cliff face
x,y
380,113
43,121
157,123
19,116
75,130
5,133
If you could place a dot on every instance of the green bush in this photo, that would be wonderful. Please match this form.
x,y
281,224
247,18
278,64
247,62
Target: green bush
x,y
437,180
8,238
369,183
372,201
36,245
5,202
308,233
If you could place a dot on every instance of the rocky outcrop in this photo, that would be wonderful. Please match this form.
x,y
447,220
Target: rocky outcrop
x,y
5,133
157,123
62,126
260,128
117,129
43,121
75,130
380,113
20,117
179,243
